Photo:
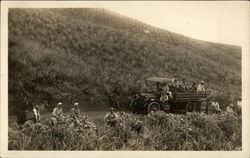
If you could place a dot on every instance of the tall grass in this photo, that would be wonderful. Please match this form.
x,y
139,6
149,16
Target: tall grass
x,y
156,131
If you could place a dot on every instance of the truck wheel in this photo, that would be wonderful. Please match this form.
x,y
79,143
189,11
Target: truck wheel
x,y
154,106
190,107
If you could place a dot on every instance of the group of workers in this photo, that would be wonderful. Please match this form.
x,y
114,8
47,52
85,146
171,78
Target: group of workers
x,y
233,108
165,92
57,113
111,118
183,86
57,116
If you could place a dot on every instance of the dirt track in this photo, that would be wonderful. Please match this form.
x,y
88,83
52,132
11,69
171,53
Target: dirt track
x,y
93,115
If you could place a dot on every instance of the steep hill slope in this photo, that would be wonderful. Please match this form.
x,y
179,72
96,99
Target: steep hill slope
x,y
78,54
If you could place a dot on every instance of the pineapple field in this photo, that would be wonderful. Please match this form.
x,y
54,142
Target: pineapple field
x,y
155,131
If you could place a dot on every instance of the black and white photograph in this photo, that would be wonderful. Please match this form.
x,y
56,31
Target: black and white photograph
x,y
126,76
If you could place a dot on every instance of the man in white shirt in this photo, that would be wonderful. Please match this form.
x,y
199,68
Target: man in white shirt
x,y
239,105
216,107
201,87
36,111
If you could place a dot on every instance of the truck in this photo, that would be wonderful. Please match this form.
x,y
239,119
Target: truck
x,y
179,101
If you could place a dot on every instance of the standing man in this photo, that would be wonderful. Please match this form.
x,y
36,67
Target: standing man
x,y
164,99
201,87
36,111
176,85
57,114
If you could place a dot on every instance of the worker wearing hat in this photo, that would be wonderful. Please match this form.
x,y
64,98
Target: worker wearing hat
x,y
111,118
57,114
201,87
75,111
230,108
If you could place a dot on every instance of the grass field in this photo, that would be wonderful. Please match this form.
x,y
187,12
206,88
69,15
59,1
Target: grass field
x,y
157,131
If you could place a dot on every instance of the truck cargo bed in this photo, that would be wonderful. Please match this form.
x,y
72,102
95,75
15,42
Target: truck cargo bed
x,y
184,97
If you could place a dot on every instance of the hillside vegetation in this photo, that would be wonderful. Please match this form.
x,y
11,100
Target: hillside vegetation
x,y
83,54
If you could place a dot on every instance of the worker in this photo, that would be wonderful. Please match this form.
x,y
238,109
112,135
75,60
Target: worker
x,y
201,87
165,87
183,86
111,118
36,111
75,111
137,126
57,114
230,108
233,106
169,93
239,105
193,87
164,100
216,107
158,89
176,83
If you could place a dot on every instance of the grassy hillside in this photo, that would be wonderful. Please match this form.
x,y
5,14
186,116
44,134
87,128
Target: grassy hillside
x,y
84,54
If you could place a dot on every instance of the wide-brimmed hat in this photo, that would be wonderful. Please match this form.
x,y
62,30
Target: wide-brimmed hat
x,y
59,104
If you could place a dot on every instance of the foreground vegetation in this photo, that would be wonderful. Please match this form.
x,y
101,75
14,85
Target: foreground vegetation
x,y
157,131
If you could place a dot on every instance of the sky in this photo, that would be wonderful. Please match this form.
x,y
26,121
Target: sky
x,y
223,22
